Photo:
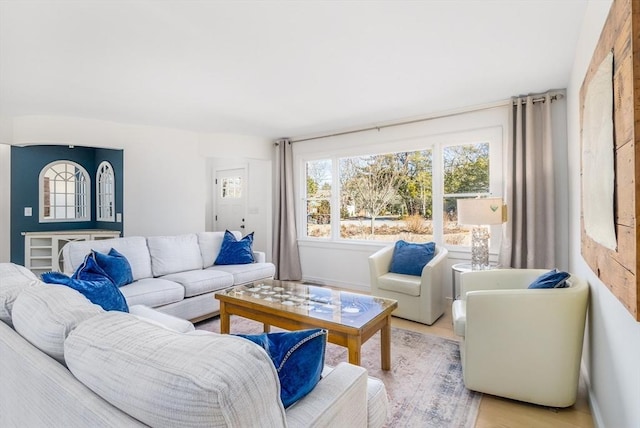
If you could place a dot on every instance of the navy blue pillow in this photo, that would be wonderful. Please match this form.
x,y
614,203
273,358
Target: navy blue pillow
x,y
116,266
90,280
551,279
234,252
409,258
298,357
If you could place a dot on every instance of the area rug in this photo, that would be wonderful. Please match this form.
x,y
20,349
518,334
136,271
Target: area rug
x,y
424,384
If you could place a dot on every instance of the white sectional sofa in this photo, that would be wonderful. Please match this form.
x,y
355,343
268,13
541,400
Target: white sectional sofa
x,y
174,274
68,363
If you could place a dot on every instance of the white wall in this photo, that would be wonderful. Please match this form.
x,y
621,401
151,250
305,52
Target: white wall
x,y
613,340
5,202
167,172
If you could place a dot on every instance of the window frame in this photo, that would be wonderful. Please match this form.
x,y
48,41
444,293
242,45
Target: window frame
x,y
494,135
86,196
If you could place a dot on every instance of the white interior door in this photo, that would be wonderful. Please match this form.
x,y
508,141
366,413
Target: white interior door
x,y
231,200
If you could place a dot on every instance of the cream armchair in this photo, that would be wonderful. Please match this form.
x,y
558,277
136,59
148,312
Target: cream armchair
x,y
420,298
519,343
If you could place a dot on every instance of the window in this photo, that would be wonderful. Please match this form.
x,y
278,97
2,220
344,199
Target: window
x,y
105,192
319,198
231,188
410,195
466,175
64,192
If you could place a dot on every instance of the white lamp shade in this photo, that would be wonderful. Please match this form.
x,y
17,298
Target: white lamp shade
x,y
481,211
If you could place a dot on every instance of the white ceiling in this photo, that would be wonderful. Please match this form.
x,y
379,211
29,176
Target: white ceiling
x,y
278,68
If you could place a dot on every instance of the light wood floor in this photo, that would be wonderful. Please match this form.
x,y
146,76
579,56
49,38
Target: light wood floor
x,y
496,412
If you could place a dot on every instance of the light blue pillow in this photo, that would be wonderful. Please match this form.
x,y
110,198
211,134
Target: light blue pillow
x,y
90,280
551,279
116,266
234,252
298,357
410,258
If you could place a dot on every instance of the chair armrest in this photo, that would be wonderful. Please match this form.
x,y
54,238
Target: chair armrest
x,y
259,256
432,272
380,261
497,279
339,399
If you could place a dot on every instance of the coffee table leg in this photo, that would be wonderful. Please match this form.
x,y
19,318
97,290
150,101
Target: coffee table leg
x,y
353,344
385,345
224,319
266,328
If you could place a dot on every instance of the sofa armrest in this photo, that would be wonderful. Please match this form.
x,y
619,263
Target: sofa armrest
x,y
259,256
338,400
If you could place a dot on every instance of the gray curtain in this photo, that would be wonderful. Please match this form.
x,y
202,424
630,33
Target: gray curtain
x,y
529,234
285,238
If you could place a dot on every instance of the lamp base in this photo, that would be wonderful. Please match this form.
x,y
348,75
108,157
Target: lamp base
x,y
479,248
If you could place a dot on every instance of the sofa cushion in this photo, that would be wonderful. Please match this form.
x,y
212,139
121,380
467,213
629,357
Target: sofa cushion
x,y
551,279
410,258
116,266
15,279
171,254
165,378
244,274
93,283
298,357
152,292
399,283
46,314
210,244
134,248
235,251
201,281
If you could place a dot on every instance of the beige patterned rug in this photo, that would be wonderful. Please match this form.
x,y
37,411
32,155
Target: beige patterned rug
x,y
424,384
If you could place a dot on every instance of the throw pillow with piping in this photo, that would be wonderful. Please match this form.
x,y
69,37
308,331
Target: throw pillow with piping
x,y
298,357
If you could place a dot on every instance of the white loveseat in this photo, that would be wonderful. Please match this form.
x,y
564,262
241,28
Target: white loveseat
x,y
174,274
68,363
521,343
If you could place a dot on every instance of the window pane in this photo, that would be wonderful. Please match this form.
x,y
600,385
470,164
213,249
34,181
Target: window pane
x,y
466,174
387,197
466,168
318,179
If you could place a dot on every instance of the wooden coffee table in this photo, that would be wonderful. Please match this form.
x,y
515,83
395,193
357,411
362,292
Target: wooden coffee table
x,y
350,318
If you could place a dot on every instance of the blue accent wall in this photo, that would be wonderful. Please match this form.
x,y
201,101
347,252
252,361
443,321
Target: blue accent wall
x,y
26,164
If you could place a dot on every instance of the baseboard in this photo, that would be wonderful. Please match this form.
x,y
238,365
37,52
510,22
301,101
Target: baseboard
x,y
593,404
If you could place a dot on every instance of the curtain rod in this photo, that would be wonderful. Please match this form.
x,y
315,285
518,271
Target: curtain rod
x,y
555,96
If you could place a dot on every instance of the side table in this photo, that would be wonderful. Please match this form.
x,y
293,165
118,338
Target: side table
x,y
459,268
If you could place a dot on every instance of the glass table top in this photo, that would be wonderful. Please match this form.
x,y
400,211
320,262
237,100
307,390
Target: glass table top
x,y
315,301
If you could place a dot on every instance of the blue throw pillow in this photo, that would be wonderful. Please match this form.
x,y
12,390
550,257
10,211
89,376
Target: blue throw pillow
x,y
116,266
298,357
551,279
409,258
234,252
90,280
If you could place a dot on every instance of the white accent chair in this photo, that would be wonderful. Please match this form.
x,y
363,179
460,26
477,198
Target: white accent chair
x,y
519,343
420,298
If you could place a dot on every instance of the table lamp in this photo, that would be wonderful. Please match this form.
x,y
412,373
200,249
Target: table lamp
x,y
480,212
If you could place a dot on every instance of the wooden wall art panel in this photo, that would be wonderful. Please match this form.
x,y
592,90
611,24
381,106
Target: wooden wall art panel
x,y
618,269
